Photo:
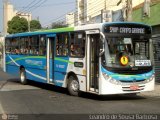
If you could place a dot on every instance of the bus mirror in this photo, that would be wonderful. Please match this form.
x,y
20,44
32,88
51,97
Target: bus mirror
x,y
102,38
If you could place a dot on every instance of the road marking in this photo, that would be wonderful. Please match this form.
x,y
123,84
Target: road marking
x,y
1,109
11,86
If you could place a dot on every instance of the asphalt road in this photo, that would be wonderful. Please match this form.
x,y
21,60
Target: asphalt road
x,y
41,99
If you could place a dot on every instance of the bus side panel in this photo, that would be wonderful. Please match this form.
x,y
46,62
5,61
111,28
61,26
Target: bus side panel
x,y
59,78
79,70
82,82
38,75
35,66
12,69
60,70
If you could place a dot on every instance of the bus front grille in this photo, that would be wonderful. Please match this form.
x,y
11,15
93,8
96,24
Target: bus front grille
x,y
131,81
133,88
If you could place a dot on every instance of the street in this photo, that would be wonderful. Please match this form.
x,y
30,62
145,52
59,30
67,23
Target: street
x,y
36,98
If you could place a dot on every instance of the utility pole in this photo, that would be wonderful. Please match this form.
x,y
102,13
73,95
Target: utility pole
x,y
5,16
105,5
127,9
146,9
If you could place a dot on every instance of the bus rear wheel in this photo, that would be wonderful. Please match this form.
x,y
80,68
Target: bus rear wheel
x,y
23,79
73,86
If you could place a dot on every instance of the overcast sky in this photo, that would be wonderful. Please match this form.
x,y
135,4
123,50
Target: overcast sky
x,y
48,11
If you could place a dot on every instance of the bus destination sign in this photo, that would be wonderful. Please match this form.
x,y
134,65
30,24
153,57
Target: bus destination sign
x,y
126,30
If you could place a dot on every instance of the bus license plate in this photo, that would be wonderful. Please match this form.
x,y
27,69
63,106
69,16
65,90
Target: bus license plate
x,y
134,87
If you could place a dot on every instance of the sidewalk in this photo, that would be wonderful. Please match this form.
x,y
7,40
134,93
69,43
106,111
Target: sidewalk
x,y
155,93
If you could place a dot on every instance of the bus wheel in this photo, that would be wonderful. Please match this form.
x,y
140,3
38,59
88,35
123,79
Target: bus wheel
x,y
73,86
23,76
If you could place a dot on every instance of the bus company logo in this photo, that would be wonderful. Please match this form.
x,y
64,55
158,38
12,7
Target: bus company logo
x,y
124,60
4,116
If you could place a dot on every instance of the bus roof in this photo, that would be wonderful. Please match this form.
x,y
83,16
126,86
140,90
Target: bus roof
x,y
133,23
41,32
67,29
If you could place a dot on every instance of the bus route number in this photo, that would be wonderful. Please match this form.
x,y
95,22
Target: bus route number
x,y
113,29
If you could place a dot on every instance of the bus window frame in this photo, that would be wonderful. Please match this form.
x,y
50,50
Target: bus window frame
x,y
19,39
45,46
12,46
56,39
83,32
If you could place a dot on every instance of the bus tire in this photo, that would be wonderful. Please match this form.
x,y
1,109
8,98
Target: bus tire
x,y
23,79
73,86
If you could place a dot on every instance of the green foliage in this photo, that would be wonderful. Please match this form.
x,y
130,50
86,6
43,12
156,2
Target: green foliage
x,y
17,25
34,25
58,25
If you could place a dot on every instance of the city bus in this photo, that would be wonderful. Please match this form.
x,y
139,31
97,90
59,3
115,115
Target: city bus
x,y
103,58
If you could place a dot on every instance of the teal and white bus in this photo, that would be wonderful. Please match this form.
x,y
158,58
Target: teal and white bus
x,y
103,58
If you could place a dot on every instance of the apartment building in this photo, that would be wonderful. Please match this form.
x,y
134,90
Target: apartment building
x,y
70,17
9,12
94,11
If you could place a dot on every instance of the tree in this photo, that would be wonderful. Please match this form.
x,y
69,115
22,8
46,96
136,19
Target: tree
x,y
17,25
35,24
58,25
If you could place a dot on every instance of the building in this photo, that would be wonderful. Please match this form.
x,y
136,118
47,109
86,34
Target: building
x,y
90,11
70,19
137,2
151,18
27,16
9,12
96,11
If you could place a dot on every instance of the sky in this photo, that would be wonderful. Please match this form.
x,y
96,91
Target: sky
x,y
47,11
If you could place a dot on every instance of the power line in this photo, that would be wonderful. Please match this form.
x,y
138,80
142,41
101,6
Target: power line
x,y
47,5
85,17
55,19
92,12
98,10
23,9
40,3
32,5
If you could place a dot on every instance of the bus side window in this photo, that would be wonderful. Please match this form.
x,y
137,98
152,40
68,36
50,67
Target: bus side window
x,y
14,46
62,44
77,44
42,48
22,45
8,46
33,45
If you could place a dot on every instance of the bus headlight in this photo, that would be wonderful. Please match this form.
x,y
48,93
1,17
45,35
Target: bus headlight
x,y
107,77
151,78
111,80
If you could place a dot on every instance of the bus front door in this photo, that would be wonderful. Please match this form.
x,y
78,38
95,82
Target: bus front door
x,y
50,58
93,62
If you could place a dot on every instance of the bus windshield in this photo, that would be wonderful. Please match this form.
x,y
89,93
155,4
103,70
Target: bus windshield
x,y
123,52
